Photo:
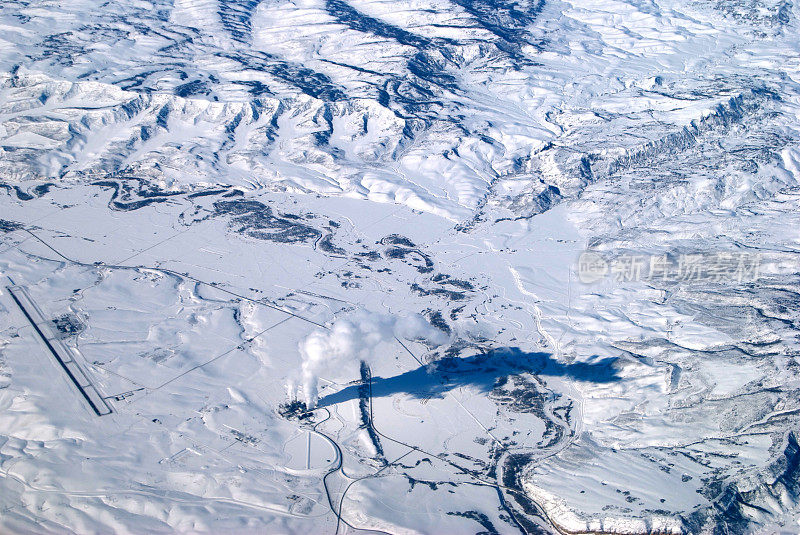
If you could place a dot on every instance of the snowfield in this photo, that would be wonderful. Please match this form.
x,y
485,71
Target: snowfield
x,y
320,266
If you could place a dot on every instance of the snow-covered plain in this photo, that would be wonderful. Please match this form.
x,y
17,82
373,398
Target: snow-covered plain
x,y
200,199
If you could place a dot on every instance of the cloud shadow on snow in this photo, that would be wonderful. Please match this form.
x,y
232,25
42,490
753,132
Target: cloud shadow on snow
x,y
481,371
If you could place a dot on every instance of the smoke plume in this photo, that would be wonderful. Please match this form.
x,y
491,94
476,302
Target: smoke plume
x,y
351,340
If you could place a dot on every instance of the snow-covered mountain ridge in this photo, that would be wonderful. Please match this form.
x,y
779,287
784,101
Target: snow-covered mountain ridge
x,y
383,206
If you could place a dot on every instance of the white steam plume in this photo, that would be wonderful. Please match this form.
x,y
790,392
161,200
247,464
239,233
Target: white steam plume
x,y
354,339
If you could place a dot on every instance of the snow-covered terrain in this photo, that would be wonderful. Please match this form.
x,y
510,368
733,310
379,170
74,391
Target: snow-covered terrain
x,y
320,266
